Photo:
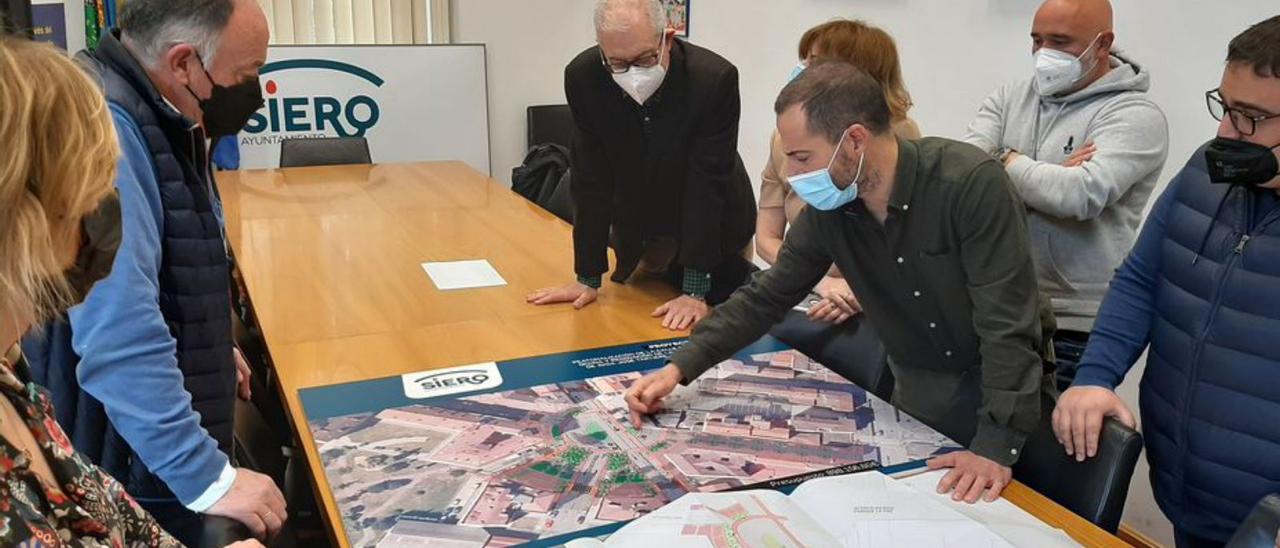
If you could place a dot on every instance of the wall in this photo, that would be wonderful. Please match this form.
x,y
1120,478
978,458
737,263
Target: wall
x,y
953,54
75,25
527,44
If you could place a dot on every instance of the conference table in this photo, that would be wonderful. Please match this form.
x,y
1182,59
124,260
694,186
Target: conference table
x,y
331,259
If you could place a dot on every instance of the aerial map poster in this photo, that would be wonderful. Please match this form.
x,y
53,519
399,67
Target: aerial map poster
x,y
541,450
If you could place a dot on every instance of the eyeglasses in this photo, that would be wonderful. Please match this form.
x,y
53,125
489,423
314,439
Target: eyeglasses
x,y
644,61
1244,123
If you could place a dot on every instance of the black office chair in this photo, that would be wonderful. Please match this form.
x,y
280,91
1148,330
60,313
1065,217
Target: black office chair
x,y
15,18
264,440
325,151
549,124
1261,528
219,531
1094,489
559,202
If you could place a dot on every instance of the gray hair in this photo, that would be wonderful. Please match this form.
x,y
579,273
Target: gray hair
x,y
149,28
612,15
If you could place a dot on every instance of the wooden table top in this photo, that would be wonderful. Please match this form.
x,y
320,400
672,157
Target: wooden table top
x,y
331,257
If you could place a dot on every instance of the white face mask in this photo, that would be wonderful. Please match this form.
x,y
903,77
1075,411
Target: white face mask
x,y
641,82
1057,71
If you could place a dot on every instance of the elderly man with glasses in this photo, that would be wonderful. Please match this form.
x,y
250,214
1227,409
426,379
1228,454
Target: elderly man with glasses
x,y
1200,291
655,168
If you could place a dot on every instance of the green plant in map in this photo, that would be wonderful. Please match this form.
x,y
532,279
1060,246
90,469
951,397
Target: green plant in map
x,y
618,461
574,457
594,432
628,476
546,468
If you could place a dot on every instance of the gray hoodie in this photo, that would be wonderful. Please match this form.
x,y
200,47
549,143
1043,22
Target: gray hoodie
x,y
1083,219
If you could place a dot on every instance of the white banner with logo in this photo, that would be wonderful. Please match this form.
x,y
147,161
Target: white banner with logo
x,y
413,103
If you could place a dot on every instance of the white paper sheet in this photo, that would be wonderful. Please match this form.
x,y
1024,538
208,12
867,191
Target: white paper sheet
x,y
866,510
745,519
463,274
869,510
1002,517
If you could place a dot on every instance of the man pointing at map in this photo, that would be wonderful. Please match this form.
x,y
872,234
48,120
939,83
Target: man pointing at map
x,y
933,241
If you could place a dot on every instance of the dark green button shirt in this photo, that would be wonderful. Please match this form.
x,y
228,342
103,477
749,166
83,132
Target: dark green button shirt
x,y
947,281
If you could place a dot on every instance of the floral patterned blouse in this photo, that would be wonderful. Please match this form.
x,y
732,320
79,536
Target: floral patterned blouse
x,y
87,508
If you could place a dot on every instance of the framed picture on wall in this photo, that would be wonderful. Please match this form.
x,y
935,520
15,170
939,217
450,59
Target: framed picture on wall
x,y
678,16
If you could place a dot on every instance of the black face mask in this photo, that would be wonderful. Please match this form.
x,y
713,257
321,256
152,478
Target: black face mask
x,y
1236,162
228,109
100,234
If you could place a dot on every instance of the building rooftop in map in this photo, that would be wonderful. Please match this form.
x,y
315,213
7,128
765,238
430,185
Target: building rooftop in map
x,y
407,533
510,537
613,384
539,482
482,444
626,502
493,508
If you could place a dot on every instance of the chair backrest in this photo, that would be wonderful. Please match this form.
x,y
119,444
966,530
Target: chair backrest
x,y
1261,529
15,18
549,124
851,349
1094,489
220,531
559,203
324,151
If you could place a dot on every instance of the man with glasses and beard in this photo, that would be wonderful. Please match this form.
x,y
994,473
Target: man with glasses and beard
x,y
1199,290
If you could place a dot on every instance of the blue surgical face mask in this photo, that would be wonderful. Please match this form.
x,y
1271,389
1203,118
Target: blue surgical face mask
x,y
817,188
795,71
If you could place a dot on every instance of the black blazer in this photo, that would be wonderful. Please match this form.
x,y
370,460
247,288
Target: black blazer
x,y
681,179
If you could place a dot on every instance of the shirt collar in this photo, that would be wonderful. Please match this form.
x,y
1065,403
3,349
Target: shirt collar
x,y
190,124
904,179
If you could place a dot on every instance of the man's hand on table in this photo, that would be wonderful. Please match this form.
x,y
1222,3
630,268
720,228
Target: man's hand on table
x,y
970,475
576,293
682,312
645,395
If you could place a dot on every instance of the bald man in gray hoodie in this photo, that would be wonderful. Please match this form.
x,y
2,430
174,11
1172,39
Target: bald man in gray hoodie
x,y
1084,146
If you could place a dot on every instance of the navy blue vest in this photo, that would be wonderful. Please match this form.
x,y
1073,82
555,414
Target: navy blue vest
x,y
194,284
1210,397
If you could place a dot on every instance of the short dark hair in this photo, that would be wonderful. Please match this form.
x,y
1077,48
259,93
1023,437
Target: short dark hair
x,y
151,27
835,95
1259,48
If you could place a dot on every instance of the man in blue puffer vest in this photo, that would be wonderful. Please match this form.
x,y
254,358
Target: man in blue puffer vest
x,y
146,375
1202,288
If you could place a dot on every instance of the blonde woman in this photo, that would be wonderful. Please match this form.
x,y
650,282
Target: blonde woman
x,y
58,164
873,51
